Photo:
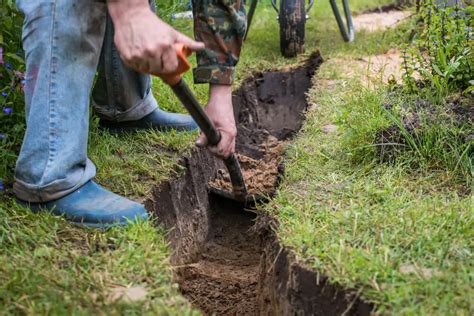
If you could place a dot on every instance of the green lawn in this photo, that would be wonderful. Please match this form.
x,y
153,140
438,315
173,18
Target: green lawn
x,y
357,223
403,236
400,233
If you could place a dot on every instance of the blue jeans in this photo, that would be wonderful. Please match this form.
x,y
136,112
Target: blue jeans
x,y
66,42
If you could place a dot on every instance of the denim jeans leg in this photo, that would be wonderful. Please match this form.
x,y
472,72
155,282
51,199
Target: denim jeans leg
x,y
120,93
62,40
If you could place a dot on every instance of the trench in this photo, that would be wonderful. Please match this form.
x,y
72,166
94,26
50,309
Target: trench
x,y
226,258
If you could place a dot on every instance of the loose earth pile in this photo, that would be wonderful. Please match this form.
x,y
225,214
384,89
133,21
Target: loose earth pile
x,y
260,175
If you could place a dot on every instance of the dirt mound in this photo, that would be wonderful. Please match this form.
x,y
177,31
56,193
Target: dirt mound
x,y
260,175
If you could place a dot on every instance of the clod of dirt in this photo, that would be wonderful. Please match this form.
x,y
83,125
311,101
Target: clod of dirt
x,y
260,175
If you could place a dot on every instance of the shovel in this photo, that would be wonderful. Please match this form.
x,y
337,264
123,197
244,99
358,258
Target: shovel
x,y
185,95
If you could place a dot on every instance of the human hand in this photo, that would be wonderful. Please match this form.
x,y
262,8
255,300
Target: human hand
x,y
144,41
220,111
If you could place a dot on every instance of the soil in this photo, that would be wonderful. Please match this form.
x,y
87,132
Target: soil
x,y
224,256
383,67
260,175
299,290
224,280
270,109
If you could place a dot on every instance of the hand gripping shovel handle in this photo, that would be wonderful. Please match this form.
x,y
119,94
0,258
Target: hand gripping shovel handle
x,y
185,95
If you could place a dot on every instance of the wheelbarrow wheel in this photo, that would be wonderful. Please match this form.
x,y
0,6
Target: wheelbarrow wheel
x,y
292,18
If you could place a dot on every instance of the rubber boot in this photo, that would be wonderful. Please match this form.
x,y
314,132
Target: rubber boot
x,y
93,206
158,119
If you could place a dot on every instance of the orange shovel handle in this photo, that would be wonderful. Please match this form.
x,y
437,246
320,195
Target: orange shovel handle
x,y
182,52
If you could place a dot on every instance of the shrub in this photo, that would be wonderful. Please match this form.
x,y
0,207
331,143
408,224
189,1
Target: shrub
x,y
441,54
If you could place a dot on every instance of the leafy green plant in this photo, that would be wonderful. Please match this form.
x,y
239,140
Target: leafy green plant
x,y
431,117
441,55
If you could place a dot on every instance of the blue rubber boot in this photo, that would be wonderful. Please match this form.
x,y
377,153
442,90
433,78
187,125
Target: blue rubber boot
x,y
158,119
93,206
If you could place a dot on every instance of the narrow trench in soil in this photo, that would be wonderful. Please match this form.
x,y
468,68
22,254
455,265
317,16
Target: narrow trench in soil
x,y
223,263
224,280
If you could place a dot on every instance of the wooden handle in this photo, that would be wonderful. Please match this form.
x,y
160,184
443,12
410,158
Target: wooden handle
x,y
182,52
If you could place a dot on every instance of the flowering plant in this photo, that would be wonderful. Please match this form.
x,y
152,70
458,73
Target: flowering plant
x,y
12,80
442,53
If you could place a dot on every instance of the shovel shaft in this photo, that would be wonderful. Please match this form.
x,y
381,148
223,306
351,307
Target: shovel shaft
x,y
184,94
236,178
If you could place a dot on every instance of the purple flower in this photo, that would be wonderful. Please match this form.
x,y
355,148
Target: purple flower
x,y
3,136
1,185
4,94
8,66
1,55
7,110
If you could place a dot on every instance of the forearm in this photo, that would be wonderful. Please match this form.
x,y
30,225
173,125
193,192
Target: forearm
x,y
220,111
220,93
221,96
120,8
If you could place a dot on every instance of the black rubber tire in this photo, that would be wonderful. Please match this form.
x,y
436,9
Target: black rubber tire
x,y
292,20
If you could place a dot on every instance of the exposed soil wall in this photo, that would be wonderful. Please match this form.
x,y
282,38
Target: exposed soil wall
x,y
288,287
227,261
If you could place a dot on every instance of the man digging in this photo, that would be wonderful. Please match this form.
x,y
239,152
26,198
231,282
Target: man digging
x,y
66,43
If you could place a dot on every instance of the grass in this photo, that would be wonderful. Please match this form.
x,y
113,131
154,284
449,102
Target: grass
x,y
48,267
356,222
400,235
132,164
